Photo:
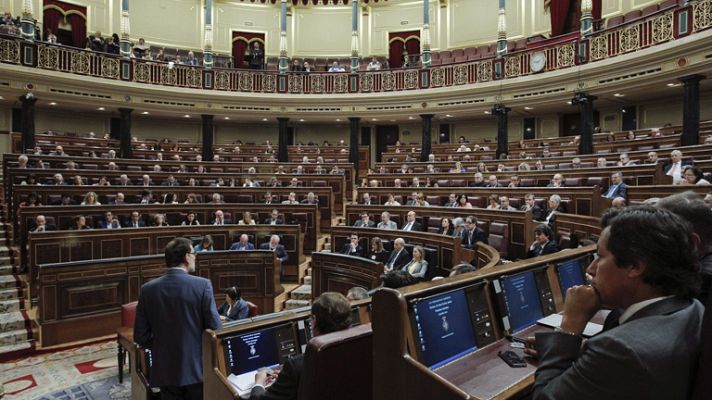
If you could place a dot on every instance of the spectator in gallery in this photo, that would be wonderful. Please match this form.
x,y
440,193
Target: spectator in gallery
x,y
206,244
306,67
374,65
235,307
296,66
335,67
257,56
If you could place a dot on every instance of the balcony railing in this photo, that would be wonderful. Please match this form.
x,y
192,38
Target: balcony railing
x,y
652,30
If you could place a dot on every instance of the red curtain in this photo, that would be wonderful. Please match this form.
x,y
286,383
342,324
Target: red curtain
x,y
402,41
559,11
240,42
55,11
596,9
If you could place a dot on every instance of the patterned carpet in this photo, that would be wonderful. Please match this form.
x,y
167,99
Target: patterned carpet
x,y
83,373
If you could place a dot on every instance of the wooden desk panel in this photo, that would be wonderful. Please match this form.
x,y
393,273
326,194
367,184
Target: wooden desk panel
x,y
334,272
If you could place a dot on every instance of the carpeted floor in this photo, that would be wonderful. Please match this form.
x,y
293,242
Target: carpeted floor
x,y
83,373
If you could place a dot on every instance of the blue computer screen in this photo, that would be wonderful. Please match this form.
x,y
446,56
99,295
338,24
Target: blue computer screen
x,y
521,298
570,274
443,329
260,348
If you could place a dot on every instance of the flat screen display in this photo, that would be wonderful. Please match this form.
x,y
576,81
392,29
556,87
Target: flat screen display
x,y
570,274
257,349
522,300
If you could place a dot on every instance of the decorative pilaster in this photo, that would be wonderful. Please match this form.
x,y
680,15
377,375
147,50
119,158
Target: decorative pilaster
x,y
283,59
282,140
691,110
585,103
208,43
207,137
27,22
425,57
27,121
501,111
125,30
426,140
354,36
586,17
125,150
354,133
502,30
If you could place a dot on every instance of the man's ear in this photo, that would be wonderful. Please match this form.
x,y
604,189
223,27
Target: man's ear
x,y
636,269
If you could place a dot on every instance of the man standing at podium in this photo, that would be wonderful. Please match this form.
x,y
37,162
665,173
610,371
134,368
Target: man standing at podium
x,y
172,313
647,268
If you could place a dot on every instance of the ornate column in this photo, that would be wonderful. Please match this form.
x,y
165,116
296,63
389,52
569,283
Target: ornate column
x,y
208,43
283,60
691,110
501,111
426,139
354,36
125,30
355,132
585,103
27,120
586,17
125,150
502,30
282,140
425,58
207,137
27,22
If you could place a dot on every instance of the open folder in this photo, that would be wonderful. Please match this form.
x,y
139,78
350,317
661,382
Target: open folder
x,y
554,321
245,381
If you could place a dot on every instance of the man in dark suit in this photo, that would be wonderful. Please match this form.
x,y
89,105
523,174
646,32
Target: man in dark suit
x,y
235,307
135,221
651,351
353,248
530,204
618,188
331,312
273,219
411,224
41,225
472,234
676,166
242,244
257,56
554,205
544,242
172,313
365,221
479,180
493,182
399,256
109,222
278,249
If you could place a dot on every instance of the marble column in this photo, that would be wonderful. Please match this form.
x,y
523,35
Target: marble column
x,y
691,110
426,139
585,103
207,136
27,121
501,111
283,138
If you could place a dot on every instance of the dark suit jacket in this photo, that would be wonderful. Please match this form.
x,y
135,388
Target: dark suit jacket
x,y
103,224
477,236
417,226
287,384
351,252
379,257
239,246
549,247
239,311
536,211
400,260
172,313
619,191
478,184
360,224
268,221
651,356
683,164
279,251
129,224
47,228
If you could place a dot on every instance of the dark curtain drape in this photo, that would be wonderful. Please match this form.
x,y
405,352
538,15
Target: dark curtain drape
x,y
241,41
75,16
559,11
596,9
79,30
402,41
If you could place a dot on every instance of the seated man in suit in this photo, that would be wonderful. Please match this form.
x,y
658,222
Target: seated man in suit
x,y
530,204
472,234
291,199
242,244
650,350
234,307
554,204
42,226
493,181
544,242
675,167
220,218
399,256
479,180
411,223
365,221
135,221
331,312
353,248
386,222
273,219
311,199
618,188
109,222
278,249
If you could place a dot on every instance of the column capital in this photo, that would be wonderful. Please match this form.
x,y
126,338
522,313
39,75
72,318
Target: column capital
x,y
500,109
691,78
123,110
427,116
28,98
582,97
355,119
282,119
207,116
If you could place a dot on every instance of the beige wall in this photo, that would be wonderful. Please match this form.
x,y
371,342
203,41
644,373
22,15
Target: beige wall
x,y
228,133
323,31
46,120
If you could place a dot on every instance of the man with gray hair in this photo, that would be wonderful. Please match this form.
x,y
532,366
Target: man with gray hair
x,y
273,245
386,222
479,180
554,206
676,166
399,256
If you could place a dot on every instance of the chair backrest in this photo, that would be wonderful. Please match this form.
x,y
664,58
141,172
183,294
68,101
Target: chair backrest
x,y
254,310
128,314
338,365
499,237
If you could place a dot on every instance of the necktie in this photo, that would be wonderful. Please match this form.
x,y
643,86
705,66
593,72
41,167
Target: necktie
x,y
674,169
408,226
469,240
392,259
135,224
611,190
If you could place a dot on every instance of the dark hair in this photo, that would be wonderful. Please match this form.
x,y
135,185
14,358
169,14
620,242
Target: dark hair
x,y
358,293
176,250
663,241
233,293
690,206
332,312
697,172
545,229
462,268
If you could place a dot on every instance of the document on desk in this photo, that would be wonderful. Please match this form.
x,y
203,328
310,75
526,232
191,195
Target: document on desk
x,y
244,382
554,321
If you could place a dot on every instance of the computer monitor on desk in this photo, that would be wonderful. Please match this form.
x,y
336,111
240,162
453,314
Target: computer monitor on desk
x,y
450,325
570,273
524,298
